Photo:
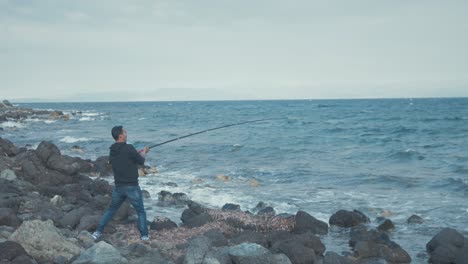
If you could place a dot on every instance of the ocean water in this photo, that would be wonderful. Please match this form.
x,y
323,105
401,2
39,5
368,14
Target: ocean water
x,y
392,157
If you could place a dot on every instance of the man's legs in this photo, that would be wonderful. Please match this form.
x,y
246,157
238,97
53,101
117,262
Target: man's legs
x,y
118,197
136,199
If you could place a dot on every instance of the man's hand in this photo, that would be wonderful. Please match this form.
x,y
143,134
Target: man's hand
x,y
144,150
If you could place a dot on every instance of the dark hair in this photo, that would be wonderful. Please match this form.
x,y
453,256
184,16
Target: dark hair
x,y
117,131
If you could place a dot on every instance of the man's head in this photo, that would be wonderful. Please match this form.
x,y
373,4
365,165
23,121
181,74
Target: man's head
x,y
119,134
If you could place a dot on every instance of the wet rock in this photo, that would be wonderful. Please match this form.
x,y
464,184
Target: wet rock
x,y
295,251
446,245
166,198
72,218
279,239
8,175
267,211
162,223
101,252
230,207
197,248
196,215
7,103
415,219
217,255
260,206
10,250
386,225
8,218
305,222
146,194
7,148
373,243
46,243
344,218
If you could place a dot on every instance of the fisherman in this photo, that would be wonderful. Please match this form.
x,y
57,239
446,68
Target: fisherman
x,y
124,159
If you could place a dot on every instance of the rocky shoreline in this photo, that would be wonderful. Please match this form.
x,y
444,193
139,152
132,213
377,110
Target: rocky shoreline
x,y
49,204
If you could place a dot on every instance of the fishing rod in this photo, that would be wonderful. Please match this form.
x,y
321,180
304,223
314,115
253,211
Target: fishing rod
x,y
211,129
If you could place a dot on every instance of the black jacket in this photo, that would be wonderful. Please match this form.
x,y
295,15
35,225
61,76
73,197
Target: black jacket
x,y
124,159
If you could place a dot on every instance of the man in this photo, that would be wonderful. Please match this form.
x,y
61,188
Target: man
x,y
124,159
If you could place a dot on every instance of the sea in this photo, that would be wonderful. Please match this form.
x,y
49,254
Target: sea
x,y
383,157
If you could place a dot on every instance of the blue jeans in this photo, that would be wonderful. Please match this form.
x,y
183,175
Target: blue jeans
x,y
119,194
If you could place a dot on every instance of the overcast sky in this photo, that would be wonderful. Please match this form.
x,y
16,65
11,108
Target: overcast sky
x,y
108,50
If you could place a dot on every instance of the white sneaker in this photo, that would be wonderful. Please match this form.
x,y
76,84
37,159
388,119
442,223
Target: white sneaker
x,y
145,238
96,235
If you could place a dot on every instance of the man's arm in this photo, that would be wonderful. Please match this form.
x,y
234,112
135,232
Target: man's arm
x,y
138,157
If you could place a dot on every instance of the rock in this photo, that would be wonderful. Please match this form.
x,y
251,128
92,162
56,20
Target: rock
x,y
166,198
216,237
170,184
373,243
305,222
195,215
162,223
72,218
102,167
86,239
125,212
43,241
6,231
250,253
7,103
36,207
333,258
146,194
88,223
8,218
197,249
386,226
217,255
223,178
198,220
102,253
230,207
47,149
249,236
260,206
344,218
7,148
295,251
77,149
10,195
267,211
445,246
9,250
414,219
8,175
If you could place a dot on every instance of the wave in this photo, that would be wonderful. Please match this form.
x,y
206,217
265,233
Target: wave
x,y
403,130
407,155
11,124
69,139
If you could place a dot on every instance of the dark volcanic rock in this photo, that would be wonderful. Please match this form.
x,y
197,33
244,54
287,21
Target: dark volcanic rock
x,y
230,207
344,218
162,223
8,218
249,236
386,225
7,148
446,246
166,198
414,219
10,250
305,222
334,258
295,251
11,196
216,237
373,243
267,211
102,167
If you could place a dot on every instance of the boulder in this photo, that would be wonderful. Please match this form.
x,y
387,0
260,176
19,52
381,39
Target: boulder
x,y
270,211
7,148
249,236
415,219
43,241
73,218
373,243
386,225
11,196
196,215
344,218
217,255
295,251
10,250
7,103
305,222
250,253
88,223
230,207
446,246
197,248
216,237
102,167
166,198
161,223
47,149
8,218
8,175
100,253
36,207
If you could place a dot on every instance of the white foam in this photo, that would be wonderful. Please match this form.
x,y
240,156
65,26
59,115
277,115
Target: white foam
x,y
69,139
87,118
11,124
90,114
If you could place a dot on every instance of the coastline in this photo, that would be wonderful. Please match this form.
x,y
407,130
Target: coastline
x,y
59,194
